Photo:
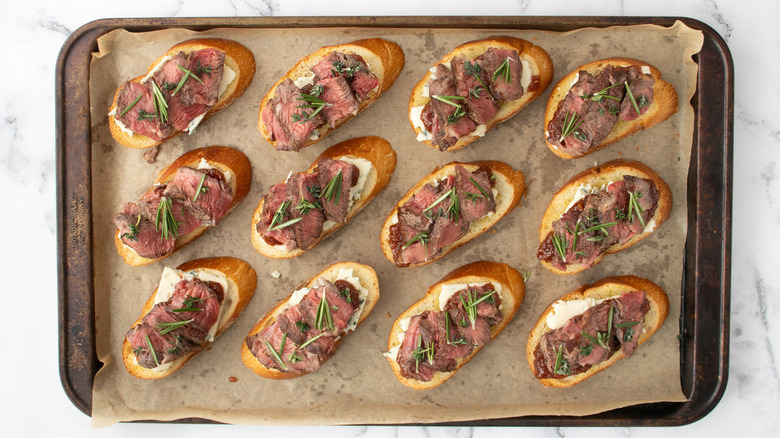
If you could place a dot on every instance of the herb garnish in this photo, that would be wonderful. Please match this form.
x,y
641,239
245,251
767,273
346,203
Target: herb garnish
x,y
570,124
643,101
175,350
586,350
286,224
619,214
306,344
609,322
302,326
473,181
456,115
633,206
143,115
561,367
275,354
323,315
599,341
294,357
160,106
453,211
449,100
631,98
190,301
187,74
200,69
420,352
339,68
614,110
503,72
460,340
164,221
474,70
200,188
132,104
626,324
133,234
597,96
316,90
473,197
560,243
313,102
168,327
599,227
345,293
151,350
628,335
281,212
305,206
421,236
526,275
333,187
471,301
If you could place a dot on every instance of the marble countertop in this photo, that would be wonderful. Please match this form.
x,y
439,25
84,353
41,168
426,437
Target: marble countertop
x,y
32,402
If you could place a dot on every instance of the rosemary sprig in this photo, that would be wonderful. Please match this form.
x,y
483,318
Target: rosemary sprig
x,y
643,101
471,301
599,227
597,96
151,350
420,352
286,224
143,115
631,98
456,115
421,237
323,315
302,326
633,206
164,221
339,68
449,100
307,343
200,69
187,74
312,102
200,188
599,341
574,237
619,214
168,327
133,234
281,212
609,321
473,197
160,106
276,355
503,71
586,350
333,188
316,90
628,335
294,357
188,309
614,110
570,124
560,243
345,293
175,349
473,181
453,211
626,324
132,104
526,275
474,70
561,367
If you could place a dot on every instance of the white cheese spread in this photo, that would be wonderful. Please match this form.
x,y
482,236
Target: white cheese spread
x,y
563,311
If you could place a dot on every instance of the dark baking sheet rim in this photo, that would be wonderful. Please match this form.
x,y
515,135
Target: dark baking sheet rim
x,y
704,319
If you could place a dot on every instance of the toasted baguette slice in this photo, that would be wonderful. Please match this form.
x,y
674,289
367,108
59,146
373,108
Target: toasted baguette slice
x,y
476,273
537,59
663,106
384,59
603,289
374,149
596,177
221,157
368,280
242,282
237,57
509,183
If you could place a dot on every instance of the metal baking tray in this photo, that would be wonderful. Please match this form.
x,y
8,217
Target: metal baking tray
x,y
704,320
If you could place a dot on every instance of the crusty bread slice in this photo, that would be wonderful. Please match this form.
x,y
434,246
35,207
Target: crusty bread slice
x,y
597,177
477,273
242,282
663,106
384,59
368,280
237,57
606,288
221,157
536,57
374,149
509,183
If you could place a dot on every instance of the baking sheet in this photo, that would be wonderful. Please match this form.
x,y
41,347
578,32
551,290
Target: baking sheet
x,y
120,290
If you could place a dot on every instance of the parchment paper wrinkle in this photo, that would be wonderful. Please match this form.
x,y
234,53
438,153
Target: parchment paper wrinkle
x,y
357,385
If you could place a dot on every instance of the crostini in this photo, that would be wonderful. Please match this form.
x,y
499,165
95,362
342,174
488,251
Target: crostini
x,y
325,90
192,305
432,339
304,330
475,87
601,211
296,214
189,83
591,328
191,195
448,208
604,101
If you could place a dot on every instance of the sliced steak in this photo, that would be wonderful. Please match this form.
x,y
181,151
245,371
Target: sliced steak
x,y
299,189
288,124
475,192
273,201
207,194
446,127
341,101
470,79
502,88
291,357
141,117
207,66
336,206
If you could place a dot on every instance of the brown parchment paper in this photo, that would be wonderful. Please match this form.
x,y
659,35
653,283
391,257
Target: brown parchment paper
x,y
357,385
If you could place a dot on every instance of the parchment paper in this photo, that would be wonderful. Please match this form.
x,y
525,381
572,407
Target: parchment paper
x,y
357,385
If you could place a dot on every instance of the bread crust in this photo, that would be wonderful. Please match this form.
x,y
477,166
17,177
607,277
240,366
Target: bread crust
x,y
535,56
368,279
512,295
510,184
663,106
604,288
384,59
239,58
597,176
241,278
223,158
374,149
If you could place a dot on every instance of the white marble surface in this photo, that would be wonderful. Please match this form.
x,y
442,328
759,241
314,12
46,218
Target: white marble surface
x,y
32,402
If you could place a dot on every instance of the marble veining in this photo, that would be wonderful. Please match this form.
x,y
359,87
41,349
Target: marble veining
x,y
34,31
